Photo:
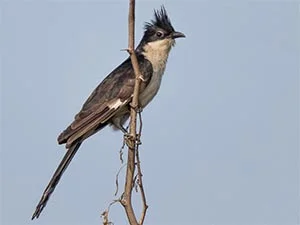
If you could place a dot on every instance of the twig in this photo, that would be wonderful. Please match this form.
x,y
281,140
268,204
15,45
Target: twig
x,y
117,179
121,151
140,127
140,184
140,175
104,215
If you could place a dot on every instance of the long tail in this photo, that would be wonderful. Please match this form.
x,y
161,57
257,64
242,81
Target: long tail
x,y
55,179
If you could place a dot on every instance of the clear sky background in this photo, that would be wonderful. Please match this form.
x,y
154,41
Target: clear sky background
x,y
220,141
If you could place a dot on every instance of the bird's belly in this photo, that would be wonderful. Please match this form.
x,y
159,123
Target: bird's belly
x,y
152,88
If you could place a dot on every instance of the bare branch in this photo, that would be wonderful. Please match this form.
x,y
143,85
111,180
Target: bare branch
x,y
104,215
140,184
117,179
140,175
131,141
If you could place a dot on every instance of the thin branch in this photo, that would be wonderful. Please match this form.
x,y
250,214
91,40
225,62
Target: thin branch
x,y
121,151
140,127
140,184
131,142
140,175
105,214
117,179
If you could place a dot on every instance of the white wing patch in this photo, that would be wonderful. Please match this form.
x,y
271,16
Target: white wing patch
x,y
115,104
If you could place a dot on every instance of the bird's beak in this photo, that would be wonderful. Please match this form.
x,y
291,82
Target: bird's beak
x,y
177,34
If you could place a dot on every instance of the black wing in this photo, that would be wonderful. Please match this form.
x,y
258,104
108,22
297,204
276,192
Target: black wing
x,y
114,92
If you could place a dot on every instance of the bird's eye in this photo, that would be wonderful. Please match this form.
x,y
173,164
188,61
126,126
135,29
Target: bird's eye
x,y
159,34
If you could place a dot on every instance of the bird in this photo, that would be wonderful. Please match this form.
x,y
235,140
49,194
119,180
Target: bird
x,y
109,103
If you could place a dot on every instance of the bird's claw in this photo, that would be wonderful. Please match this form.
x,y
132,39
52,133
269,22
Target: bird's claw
x,y
130,140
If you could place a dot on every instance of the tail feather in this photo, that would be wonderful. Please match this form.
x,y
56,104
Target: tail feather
x,y
55,179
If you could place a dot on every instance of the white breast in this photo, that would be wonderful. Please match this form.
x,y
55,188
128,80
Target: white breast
x,y
157,53
152,88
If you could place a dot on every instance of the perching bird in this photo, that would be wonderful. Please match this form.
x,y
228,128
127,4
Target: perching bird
x,y
109,103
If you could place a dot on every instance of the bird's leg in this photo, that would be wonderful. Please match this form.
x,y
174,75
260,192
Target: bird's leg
x,y
124,130
139,110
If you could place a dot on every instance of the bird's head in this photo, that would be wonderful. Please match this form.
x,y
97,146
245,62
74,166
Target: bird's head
x,y
159,35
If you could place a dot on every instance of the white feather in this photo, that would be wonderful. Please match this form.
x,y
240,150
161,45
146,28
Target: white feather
x,y
157,53
116,104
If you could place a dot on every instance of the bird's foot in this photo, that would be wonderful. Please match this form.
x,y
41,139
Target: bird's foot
x,y
139,110
129,140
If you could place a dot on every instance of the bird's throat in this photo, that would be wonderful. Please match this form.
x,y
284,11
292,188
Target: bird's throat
x,y
157,53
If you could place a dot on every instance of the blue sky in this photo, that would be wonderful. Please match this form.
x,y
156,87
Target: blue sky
x,y
220,141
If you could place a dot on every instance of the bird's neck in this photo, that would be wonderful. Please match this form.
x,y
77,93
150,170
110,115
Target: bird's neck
x,y
157,53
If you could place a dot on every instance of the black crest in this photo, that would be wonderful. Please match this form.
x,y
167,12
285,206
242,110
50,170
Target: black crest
x,y
161,20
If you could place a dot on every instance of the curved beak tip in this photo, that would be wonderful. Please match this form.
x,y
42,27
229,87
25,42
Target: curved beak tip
x,y
178,34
